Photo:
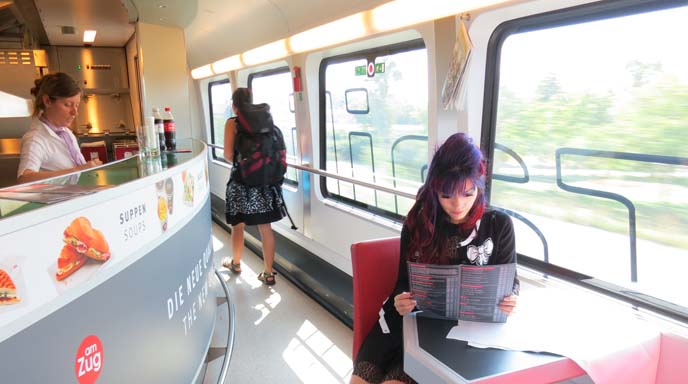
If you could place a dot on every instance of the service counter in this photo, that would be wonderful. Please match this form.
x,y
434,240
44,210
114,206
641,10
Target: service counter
x,y
115,283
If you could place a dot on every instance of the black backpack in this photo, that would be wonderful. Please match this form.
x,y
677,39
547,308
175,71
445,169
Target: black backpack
x,y
261,153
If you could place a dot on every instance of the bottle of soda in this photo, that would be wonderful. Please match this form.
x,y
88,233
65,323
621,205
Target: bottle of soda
x,y
159,127
170,131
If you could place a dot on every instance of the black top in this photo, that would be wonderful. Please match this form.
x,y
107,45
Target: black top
x,y
493,243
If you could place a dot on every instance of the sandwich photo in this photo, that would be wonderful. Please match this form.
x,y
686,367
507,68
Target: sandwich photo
x,y
83,244
69,261
8,291
87,240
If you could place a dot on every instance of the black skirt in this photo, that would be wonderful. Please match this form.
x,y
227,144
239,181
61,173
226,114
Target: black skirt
x,y
253,205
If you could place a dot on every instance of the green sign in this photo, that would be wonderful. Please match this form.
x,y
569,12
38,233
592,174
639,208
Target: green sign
x,y
370,70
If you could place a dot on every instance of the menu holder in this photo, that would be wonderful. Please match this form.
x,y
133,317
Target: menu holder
x,y
461,292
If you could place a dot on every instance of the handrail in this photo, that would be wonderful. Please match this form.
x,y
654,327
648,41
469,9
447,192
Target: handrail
x,y
639,157
531,225
521,180
394,166
328,94
230,333
294,181
397,192
319,172
372,157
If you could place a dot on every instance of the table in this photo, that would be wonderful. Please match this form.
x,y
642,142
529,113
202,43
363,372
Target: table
x,y
429,357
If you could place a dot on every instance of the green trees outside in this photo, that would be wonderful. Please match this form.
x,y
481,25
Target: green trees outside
x,y
651,117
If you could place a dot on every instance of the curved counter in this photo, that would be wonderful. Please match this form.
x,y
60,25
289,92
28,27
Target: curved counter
x,y
113,284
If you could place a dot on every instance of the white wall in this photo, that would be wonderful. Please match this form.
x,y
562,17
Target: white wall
x,y
165,74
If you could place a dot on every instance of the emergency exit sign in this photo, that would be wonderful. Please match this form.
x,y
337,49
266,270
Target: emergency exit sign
x,y
370,70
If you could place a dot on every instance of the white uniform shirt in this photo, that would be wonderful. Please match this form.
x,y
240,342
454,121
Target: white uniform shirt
x,y
43,150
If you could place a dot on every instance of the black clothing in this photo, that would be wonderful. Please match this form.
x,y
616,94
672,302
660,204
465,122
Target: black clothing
x,y
253,205
493,243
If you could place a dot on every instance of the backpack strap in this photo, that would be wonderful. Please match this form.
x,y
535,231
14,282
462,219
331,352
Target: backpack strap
x,y
243,123
284,206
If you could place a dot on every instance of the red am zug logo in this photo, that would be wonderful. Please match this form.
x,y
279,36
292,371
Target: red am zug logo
x,y
89,360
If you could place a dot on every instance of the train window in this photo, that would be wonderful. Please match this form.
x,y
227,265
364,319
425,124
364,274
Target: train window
x,y
374,125
220,101
589,149
275,88
357,101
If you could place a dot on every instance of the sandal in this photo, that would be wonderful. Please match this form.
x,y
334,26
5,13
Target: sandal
x,y
235,268
267,278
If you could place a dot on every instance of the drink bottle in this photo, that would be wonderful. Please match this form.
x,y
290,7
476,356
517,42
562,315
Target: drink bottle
x,y
159,127
170,131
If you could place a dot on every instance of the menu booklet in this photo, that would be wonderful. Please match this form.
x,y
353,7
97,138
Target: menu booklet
x,y
461,292
48,193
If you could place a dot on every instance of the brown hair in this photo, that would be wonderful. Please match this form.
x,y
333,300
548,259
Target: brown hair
x,y
54,85
242,98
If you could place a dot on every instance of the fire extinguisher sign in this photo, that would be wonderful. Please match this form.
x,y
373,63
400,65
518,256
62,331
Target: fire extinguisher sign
x,y
89,360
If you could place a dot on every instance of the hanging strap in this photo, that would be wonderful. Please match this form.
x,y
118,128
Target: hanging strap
x,y
284,206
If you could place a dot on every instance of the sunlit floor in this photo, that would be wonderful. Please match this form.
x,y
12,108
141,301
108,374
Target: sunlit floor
x,y
282,335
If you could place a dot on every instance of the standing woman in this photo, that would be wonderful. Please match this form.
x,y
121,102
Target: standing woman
x,y
50,148
448,224
249,205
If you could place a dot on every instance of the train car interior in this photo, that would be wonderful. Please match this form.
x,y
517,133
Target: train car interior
x,y
579,107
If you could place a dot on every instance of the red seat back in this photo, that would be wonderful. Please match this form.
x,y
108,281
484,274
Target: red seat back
x,y
375,268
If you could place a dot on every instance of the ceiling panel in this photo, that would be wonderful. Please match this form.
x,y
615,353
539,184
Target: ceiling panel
x,y
171,13
108,17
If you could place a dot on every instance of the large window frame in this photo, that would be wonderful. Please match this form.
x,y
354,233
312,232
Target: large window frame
x,y
574,15
322,99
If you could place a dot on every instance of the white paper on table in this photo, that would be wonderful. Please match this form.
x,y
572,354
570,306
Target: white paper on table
x,y
610,345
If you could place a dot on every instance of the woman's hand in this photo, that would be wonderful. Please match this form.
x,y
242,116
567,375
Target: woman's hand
x,y
91,164
404,303
508,304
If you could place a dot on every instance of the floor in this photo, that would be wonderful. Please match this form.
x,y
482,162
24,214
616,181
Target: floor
x,y
281,335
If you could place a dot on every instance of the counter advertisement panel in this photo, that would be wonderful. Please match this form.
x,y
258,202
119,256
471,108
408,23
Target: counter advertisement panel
x,y
132,273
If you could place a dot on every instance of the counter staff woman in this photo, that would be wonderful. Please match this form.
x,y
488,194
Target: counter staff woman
x,y
50,148
448,224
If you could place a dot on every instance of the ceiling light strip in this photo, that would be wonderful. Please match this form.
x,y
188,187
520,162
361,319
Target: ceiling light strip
x,y
387,17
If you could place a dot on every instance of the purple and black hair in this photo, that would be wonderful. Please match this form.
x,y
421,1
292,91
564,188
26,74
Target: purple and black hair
x,y
455,161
